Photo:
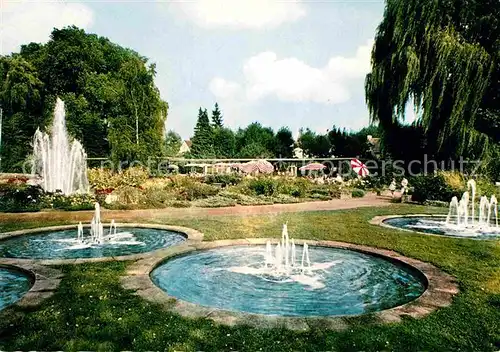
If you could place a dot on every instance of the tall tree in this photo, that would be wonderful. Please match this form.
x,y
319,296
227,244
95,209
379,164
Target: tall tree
x,y
173,142
217,117
256,134
112,104
284,143
21,100
443,56
202,140
224,142
316,145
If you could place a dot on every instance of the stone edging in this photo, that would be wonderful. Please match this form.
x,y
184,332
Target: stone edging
x,y
46,280
441,288
191,235
379,220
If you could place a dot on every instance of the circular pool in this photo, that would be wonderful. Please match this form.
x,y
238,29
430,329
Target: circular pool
x,y
66,244
13,285
437,225
338,282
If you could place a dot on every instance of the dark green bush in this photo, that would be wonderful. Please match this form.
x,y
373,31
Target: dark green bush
x,y
20,198
198,191
357,193
264,186
432,187
224,179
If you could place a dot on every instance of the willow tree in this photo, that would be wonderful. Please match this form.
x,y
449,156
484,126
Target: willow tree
x,y
443,55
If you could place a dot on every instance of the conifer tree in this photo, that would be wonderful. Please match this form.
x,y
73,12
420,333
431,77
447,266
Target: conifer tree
x,y
202,146
217,117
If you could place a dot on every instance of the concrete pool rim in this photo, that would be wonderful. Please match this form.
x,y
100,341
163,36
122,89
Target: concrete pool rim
x,y
381,221
440,289
191,236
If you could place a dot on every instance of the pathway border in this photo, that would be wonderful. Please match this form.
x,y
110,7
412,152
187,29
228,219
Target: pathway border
x,y
191,235
238,210
441,287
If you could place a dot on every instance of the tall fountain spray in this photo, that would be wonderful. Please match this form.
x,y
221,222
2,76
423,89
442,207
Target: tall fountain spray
x,y
61,164
458,215
280,264
97,236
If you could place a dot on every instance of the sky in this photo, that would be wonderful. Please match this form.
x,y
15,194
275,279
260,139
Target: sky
x,y
281,63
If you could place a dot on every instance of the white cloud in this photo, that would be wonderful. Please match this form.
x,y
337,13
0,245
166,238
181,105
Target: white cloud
x,y
253,14
224,89
33,21
290,79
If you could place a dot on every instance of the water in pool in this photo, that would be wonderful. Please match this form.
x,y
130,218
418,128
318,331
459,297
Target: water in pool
x,y
65,244
13,285
439,226
338,282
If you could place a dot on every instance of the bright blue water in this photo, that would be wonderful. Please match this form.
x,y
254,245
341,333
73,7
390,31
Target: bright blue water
x,y
45,245
358,284
13,285
437,226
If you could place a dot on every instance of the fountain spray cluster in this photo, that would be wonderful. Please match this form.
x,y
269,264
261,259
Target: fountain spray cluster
x,y
62,165
96,229
459,211
284,257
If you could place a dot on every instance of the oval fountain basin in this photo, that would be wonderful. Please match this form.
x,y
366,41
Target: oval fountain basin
x,y
437,226
13,285
341,282
64,245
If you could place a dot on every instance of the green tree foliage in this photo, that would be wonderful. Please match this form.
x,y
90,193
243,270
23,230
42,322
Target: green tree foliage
x,y
112,104
21,98
444,56
173,142
217,117
224,143
315,145
257,138
202,140
352,144
255,150
284,143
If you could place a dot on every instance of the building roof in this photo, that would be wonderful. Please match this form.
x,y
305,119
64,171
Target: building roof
x,y
188,143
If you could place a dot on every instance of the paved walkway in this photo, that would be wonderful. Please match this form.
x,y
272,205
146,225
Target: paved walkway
x,y
337,204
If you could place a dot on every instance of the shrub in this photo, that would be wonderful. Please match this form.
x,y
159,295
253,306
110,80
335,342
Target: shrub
x,y
69,202
284,199
433,187
100,178
485,187
133,176
129,195
215,202
157,197
20,198
320,196
197,191
178,204
265,186
190,188
224,179
436,203
357,193
295,187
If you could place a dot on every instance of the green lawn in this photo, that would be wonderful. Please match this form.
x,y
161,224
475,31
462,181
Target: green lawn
x,y
91,311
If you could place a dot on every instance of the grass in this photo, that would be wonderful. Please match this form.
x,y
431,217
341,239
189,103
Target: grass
x,y
90,310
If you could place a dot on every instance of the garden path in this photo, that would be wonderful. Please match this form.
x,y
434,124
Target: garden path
x,y
370,200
